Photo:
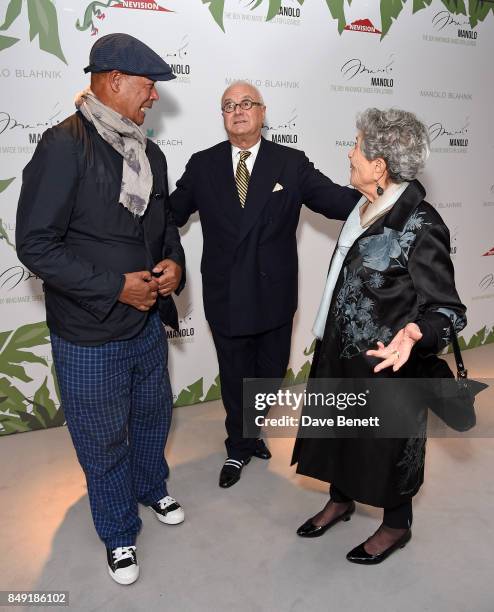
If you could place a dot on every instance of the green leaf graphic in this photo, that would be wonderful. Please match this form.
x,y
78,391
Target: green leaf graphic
x,y
456,7
55,383
43,22
191,395
418,5
311,348
5,236
390,9
303,373
336,8
5,183
13,11
214,391
478,11
477,339
44,408
274,7
216,8
7,41
27,336
12,399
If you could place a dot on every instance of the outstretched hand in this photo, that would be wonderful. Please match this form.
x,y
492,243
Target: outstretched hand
x,y
397,352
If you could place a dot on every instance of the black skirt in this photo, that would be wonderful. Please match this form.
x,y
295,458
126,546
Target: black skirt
x,y
379,472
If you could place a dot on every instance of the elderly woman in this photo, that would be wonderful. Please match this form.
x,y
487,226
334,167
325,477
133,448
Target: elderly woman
x,y
390,284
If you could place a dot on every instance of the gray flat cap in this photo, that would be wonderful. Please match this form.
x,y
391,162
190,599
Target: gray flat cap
x,y
127,54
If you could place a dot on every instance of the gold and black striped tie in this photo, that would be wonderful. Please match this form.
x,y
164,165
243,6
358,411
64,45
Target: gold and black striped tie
x,y
242,177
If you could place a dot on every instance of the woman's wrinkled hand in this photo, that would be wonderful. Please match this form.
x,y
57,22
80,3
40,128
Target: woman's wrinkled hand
x,y
397,352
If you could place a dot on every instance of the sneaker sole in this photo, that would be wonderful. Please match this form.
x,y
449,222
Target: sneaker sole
x,y
123,581
169,520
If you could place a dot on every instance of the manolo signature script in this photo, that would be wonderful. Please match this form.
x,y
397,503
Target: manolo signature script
x,y
355,66
288,125
437,129
13,276
443,19
7,122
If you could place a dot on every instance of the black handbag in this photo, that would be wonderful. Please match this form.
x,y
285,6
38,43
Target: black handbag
x,y
452,400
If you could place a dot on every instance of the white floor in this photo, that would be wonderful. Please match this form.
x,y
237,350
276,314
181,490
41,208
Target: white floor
x,y
237,550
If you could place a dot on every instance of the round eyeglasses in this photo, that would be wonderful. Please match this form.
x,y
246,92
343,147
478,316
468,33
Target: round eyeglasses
x,y
230,107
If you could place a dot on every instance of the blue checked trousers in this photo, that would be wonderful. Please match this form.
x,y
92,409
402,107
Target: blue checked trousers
x,y
117,402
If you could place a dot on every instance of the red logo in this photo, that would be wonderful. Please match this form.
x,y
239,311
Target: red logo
x,y
362,25
141,5
490,252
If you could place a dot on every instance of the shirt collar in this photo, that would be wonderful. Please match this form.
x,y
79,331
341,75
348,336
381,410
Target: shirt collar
x,y
253,150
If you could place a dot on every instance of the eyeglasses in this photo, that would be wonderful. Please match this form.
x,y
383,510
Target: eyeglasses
x,y
230,107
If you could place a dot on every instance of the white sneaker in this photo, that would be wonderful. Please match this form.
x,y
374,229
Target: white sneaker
x,y
122,564
168,511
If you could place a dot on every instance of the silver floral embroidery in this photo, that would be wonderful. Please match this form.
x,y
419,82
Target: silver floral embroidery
x,y
353,312
411,465
391,248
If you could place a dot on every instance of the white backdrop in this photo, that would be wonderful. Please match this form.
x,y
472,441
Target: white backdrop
x,y
315,76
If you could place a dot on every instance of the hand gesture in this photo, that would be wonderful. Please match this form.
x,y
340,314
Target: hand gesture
x,y
398,350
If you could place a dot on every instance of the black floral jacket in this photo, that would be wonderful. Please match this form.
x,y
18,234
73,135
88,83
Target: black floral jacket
x,y
396,272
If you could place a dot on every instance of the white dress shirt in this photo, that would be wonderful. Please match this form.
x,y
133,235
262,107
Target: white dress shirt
x,y
249,162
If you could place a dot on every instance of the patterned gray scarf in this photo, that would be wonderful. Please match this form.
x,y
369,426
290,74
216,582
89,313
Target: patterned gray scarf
x,y
128,139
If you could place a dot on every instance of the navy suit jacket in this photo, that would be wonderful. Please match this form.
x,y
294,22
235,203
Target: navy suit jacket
x,y
249,262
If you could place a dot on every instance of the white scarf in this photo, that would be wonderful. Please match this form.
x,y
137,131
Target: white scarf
x,y
351,230
129,140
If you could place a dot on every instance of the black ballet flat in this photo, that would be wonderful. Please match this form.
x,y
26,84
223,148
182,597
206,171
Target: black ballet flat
x,y
360,555
309,530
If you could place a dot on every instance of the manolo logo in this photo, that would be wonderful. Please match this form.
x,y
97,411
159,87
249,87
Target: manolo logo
x,y
186,331
376,75
284,132
455,137
179,60
444,20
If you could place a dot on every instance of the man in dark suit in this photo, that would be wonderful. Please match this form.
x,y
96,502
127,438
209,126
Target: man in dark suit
x,y
249,192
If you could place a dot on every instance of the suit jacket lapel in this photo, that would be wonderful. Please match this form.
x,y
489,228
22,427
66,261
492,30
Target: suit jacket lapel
x,y
264,175
224,183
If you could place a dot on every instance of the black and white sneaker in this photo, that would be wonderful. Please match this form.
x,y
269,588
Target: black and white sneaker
x,y
122,564
168,510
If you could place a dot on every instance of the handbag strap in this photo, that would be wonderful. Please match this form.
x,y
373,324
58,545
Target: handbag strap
x,y
461,371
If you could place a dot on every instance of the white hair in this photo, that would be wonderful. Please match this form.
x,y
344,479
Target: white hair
x,y
398,137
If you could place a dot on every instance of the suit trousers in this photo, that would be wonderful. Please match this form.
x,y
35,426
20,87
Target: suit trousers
x,y
117,402
398,517
263,355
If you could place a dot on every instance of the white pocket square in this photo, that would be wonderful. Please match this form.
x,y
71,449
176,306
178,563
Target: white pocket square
x,y
277,187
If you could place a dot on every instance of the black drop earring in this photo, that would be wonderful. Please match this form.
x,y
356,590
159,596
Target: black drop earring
x,y
379,190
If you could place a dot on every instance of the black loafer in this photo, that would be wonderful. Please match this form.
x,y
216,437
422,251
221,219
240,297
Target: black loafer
x,y
360,555
231,471
309,530
261,451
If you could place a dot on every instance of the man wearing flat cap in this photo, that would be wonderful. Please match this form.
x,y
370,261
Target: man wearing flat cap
x,y
93,223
